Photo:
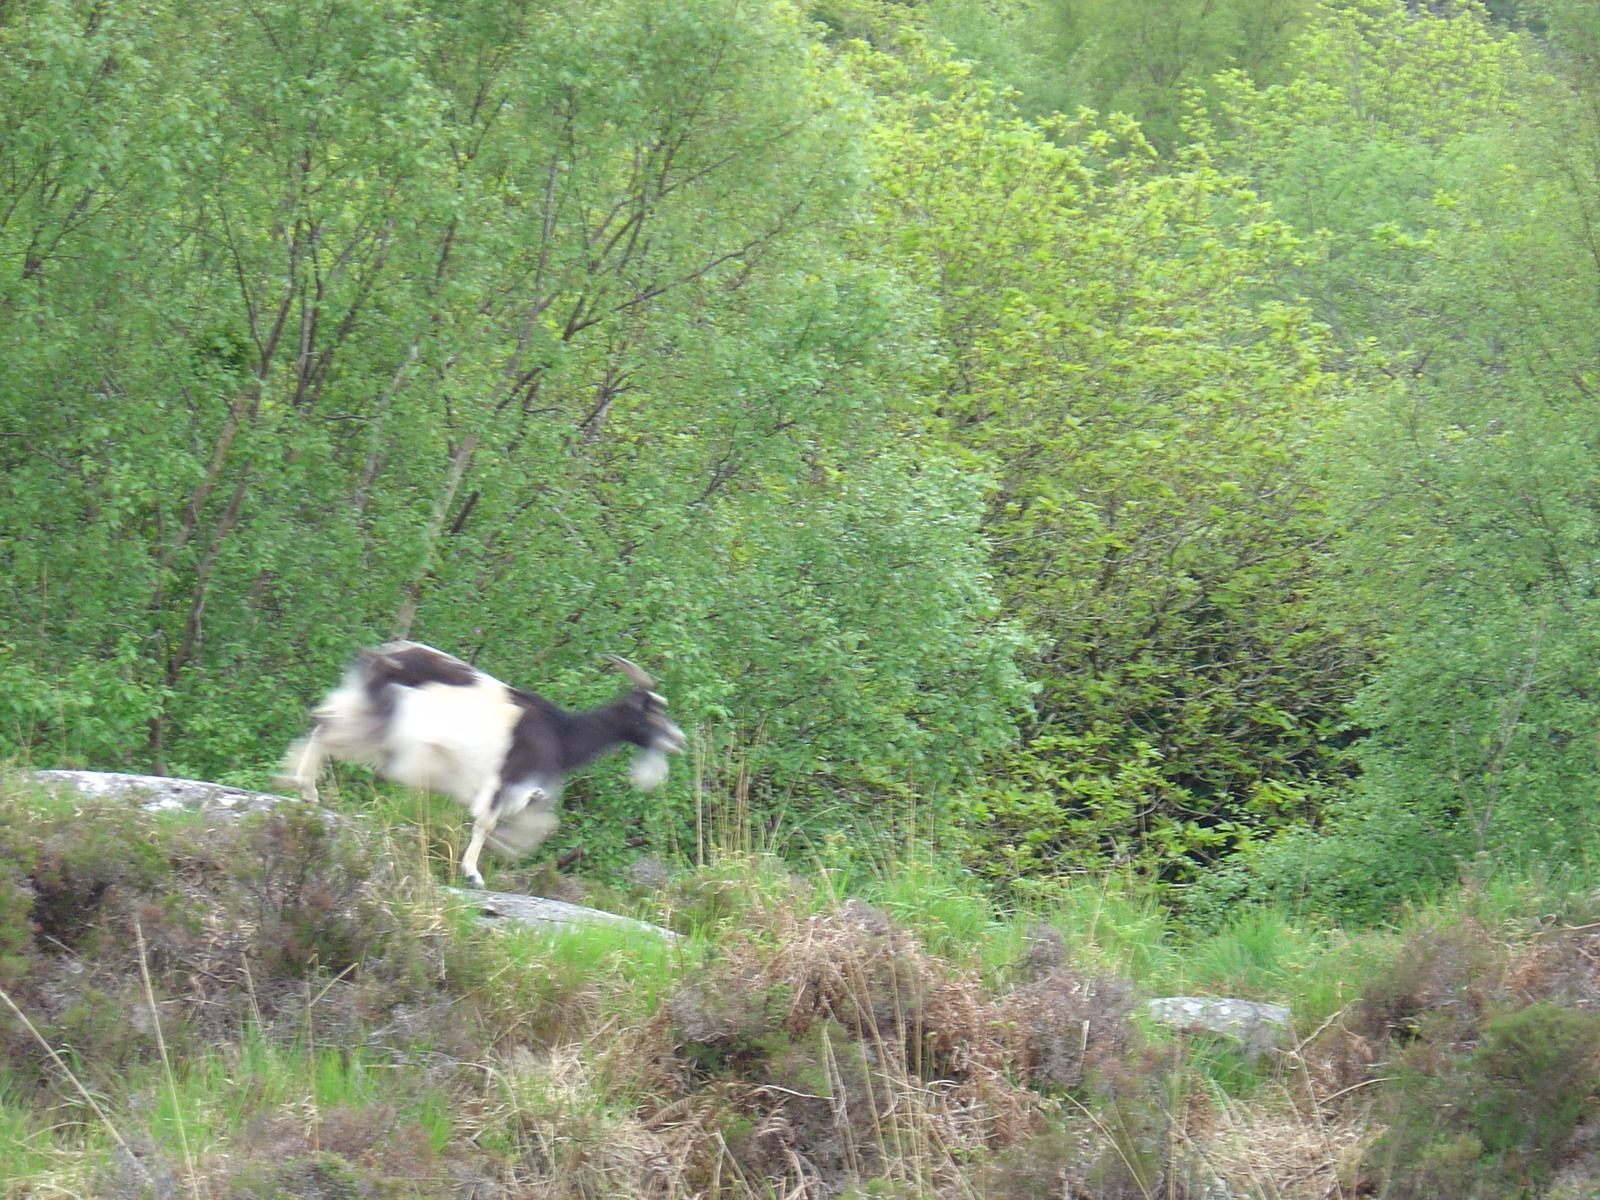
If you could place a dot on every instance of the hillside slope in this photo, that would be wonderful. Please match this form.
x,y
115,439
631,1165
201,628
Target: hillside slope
x,y
272,1005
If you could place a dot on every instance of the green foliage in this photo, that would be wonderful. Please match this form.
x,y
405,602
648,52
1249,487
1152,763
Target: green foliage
x,y
531,332
1403,73
1156,522
1143,58
941,906
1384,113
1454,270
1367,857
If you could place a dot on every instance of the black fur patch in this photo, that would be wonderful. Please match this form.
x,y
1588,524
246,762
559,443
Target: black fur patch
x,y
536,740
549,741
526,699
409,666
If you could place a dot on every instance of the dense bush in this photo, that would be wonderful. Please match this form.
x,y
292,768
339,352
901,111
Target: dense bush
x,y
562,352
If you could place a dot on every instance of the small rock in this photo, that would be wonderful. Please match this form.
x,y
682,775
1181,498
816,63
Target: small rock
x,y
1258,1027
499,908
159,794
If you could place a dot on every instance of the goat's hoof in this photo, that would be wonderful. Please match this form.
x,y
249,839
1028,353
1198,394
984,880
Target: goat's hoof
x,y
473,880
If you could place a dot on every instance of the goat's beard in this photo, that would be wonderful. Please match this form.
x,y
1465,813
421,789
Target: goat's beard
x,y
648,769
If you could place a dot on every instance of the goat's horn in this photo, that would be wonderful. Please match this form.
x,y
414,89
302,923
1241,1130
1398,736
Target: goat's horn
x,y
640,678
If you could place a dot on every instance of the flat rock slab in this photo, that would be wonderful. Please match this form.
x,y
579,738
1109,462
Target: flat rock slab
x,y
156,793
501,908
1259,1027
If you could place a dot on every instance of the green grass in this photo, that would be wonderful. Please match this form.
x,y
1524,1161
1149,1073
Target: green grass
x,y
28,1143
640,963
217,1096
939,904
1260,954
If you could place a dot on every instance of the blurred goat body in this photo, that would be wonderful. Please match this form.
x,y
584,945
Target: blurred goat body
x,y
428,720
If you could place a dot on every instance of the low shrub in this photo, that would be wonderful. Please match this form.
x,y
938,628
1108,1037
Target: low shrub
x,y
230,917
1496,1119
1374,854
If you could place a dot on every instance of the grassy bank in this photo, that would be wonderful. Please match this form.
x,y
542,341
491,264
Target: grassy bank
x,y
277,1007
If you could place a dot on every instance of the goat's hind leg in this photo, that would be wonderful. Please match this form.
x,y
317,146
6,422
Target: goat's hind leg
x,y
525,830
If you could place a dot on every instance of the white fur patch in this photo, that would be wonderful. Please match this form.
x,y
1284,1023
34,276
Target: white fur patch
x,y
439,738
451,739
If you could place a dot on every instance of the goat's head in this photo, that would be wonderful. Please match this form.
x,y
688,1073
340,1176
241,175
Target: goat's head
x,y
645,724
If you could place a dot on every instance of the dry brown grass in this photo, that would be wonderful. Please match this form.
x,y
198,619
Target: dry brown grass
x,y
1279,1147
845,1053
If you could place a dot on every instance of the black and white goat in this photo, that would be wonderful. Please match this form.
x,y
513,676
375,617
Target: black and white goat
x,y
427,720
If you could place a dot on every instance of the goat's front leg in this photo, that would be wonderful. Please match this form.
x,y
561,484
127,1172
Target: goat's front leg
x,y
482,827
483,823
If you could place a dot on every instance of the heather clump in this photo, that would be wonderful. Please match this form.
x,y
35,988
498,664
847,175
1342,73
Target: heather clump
x,y
1041,1165
1430,983
1499,1119
1438,984
545,879
353,1150
724,1018
67,861
119,921
1474,1040
579,1121
815,1098
1067,1023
